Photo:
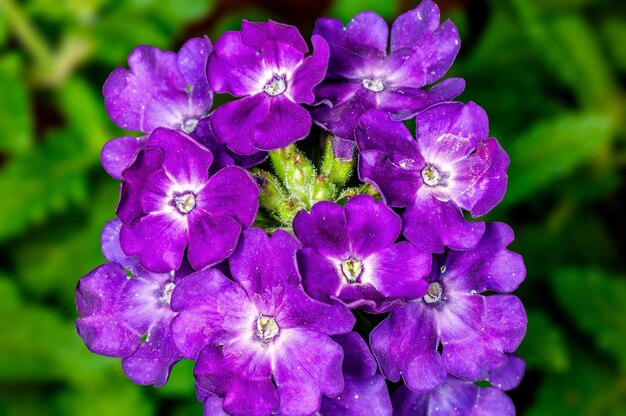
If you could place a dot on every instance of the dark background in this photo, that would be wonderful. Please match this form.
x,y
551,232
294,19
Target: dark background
x,y
550,73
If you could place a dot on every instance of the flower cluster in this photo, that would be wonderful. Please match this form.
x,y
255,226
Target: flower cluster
x,y
270,281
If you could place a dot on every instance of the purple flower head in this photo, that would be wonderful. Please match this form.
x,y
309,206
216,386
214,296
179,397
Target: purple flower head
x,y
265,64
475,332
361,76
161,89
451,166
350,253
463,398
170,203
261,343
128,316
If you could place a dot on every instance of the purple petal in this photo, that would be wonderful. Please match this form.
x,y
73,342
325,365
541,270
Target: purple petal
x,y
112,250
258,34
184,159
489,190
323,229
463,120
262,262
377,131
153,360
213,406
234,123
488,266
118,154
398,186
320,277
342,119
477,331
371,225
202,300
97,301
211,238
234,67
231,192
398,271
405,344
510,376
284,123
358,361
411,27
359,398
311,72
300,311
307,365
404,102
156,91
431,224
129,207
159,239
363,41
434,46
247,391
454,397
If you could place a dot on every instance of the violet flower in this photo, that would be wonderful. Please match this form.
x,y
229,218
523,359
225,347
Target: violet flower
x,y
261,343
463,398
350,253
170,204
451,166
128,317
365,392
361,76
264,64
475,332
161,89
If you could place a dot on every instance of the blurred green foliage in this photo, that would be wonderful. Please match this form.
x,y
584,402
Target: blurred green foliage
x,y
551,75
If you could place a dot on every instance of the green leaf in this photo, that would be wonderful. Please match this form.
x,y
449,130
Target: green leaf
x,y
113,398
590,388
85,112
614,31
16,122
181,381
596,302
551,150
544,347
51,179
43,347
570,47
51,261
347,9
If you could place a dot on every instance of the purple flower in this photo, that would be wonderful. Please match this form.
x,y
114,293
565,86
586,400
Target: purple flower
x,y
170,203
365,392
361,76
261,343
265,64
475,332
349,254
461,397
451,166
128,317
161,89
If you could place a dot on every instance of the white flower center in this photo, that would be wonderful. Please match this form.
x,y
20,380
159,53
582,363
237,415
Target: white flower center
x,y
266,328
166,295
188,126
376,85
185,203
352,269
434,294
276,86
432,176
